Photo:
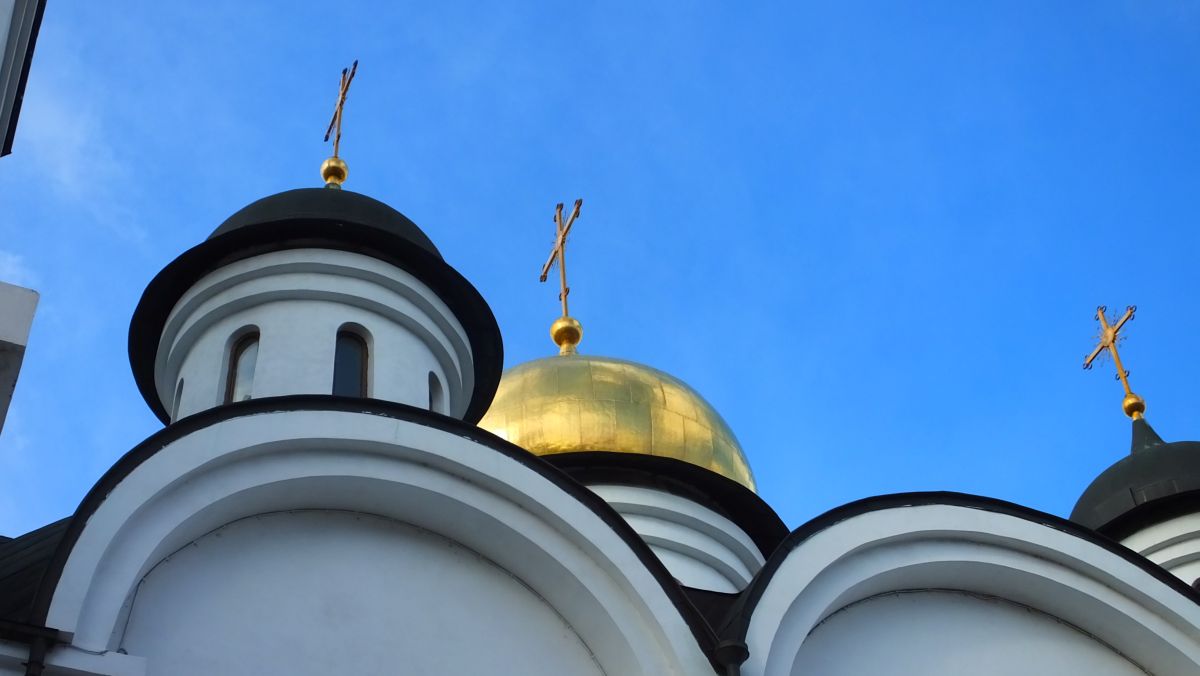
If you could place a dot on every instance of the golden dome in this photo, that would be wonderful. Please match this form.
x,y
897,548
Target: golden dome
x,y
579,402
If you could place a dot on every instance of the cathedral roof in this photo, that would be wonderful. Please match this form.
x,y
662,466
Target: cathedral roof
x,y
324,204
31,565
23,561
1142,488
318,218
579,403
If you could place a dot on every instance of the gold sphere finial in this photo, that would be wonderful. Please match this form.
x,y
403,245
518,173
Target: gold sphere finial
x,y
334,172
566,332
1134,406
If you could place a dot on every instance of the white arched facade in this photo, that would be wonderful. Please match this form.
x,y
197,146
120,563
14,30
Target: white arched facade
x,y
949,632
296,301
833,588
387,488
701,548
390,597
1173,544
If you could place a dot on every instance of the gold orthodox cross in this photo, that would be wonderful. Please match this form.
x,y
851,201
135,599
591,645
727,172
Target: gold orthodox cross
x,y
335,124
559,252
1109,337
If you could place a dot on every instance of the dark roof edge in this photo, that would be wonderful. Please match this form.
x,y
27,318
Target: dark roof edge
x,y
315,402
1150,513
737,622
463,299
1128,492
27,633
721,494
10,134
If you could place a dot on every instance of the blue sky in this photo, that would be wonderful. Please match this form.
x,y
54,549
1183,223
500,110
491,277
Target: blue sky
x,y
872,234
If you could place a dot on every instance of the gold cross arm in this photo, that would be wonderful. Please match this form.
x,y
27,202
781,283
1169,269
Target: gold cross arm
x,y
1109,337
335,123
559,252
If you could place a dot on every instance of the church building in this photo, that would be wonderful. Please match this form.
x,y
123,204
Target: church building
x,y
347,483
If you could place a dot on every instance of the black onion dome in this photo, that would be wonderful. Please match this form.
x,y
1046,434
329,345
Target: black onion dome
x,y
1155,482
322,204
327,219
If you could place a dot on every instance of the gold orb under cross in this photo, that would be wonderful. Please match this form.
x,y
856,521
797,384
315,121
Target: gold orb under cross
x,y
334,172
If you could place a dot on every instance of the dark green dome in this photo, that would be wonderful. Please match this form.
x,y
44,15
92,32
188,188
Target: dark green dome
x,y
1156,481
328,205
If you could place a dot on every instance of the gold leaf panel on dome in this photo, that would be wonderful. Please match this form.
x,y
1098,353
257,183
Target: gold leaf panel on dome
x,y
575,403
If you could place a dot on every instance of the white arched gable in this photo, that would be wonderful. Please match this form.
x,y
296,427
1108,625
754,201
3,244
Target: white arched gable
x,y
570,554
835,575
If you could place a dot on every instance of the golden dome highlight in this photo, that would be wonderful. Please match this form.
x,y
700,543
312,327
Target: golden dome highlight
x,y
576,403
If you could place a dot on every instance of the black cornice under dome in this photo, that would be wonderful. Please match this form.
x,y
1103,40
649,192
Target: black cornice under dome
x,y
1155,482
321,218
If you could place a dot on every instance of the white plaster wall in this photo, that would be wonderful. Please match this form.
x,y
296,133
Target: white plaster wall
x,y
297,300
701,548
436,480
976,551
947,633
6,14
17,305
320,592
1173,544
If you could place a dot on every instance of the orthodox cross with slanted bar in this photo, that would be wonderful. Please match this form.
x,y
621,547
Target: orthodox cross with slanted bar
x,y
335,124
1109,337
559,252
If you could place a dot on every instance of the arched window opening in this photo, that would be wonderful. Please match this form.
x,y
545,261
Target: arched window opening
x,y
350,365
239,382
178,398
436,403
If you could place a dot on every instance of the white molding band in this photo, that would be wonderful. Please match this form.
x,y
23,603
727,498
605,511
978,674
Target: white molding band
x,y
701,548
972,550
432,479
297,299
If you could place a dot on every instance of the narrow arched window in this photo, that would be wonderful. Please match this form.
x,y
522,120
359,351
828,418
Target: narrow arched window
x,y
435,394
350,365
239,382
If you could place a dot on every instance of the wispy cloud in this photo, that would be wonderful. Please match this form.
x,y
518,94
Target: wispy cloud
x,y
14,270
65,136
65,142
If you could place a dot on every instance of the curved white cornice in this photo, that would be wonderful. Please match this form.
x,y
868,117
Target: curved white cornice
x,y
940,546
495,503
701,548
1173,544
